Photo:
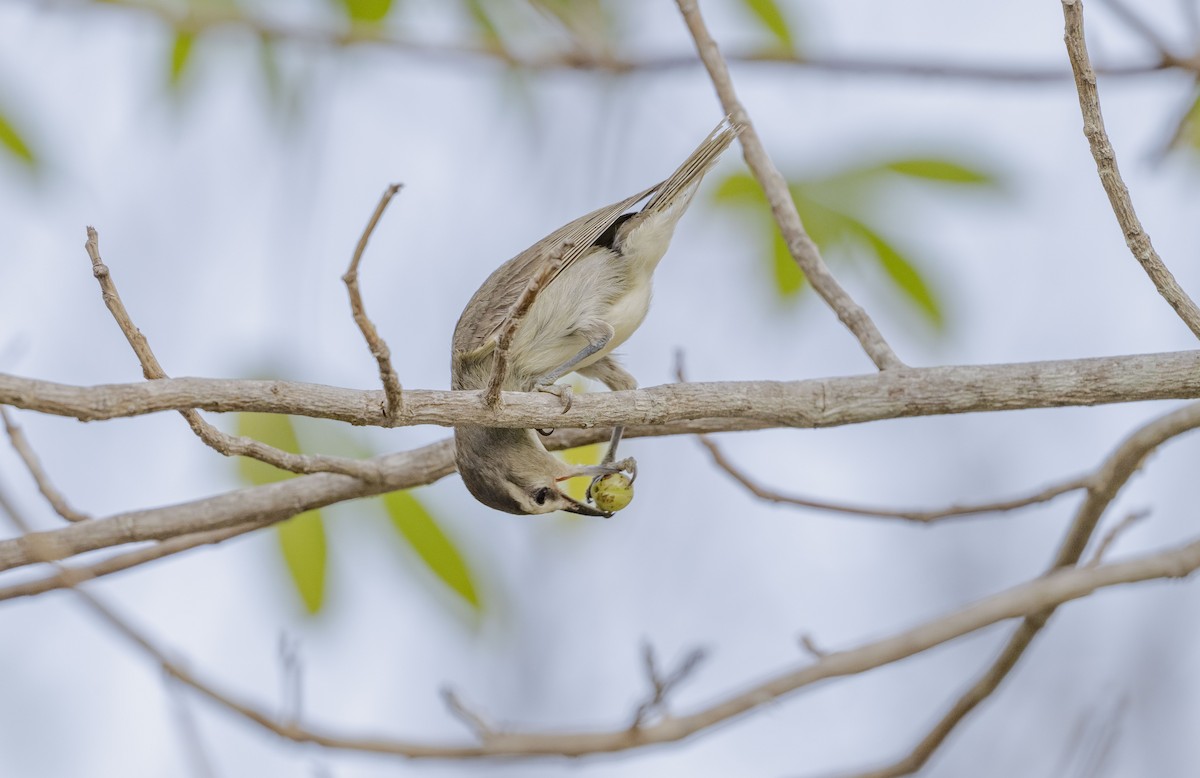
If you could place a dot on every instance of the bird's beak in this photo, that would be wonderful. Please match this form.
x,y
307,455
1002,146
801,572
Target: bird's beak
x,y
583,509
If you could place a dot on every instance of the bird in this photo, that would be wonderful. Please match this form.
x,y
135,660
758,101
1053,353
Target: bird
x,y
593,279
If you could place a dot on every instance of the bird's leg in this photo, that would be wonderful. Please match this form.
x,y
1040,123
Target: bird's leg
x,y
608,371
598,334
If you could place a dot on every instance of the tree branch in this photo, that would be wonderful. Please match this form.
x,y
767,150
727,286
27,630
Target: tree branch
x,y
810,403
379,348
21,445
229,445
1110,177
919,516
1112,474
775,187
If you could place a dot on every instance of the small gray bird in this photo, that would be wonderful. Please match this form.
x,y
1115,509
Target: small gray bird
x,y
594,301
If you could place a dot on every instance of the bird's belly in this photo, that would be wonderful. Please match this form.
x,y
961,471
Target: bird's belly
x,y
627,314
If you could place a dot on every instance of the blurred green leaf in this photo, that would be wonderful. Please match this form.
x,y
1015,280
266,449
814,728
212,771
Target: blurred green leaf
x,y
944,170
366,11
435,549
181,55
789,278
301,538
1187,133
902,271
581,455
769,14
274,430
740,188
302,541
15,144
485,25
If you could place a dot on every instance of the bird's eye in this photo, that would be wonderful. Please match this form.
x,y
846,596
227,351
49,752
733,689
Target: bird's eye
x,y
541,495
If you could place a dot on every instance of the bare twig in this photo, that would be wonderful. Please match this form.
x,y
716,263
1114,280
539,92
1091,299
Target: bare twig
x,y
808,644
229,445
189,731
200,19
661,686
1110,177
379,348
119,562
21,445
1110,477
476,723
508,328
920,516
1142,27
1133,517
799,244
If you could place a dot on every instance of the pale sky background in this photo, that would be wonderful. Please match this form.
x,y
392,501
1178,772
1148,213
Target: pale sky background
x,y
227,236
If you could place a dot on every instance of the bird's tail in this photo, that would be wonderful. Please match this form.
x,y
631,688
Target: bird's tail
x,y
688,175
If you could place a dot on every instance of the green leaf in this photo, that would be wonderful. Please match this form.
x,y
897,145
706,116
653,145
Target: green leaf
x,y
581,455
789,278
302,537
905,275
302,541
366,11
739,188
485,25
769,14
1188,131
274,430
944,170
435,549
181,55
16,145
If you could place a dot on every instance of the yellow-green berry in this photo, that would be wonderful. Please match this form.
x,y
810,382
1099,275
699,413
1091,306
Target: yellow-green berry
x,y
612,492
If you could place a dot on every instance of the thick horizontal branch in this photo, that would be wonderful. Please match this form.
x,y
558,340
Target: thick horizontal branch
x,y
826,402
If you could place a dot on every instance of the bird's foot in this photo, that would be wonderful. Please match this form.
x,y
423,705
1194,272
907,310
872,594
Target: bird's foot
x,y
562,391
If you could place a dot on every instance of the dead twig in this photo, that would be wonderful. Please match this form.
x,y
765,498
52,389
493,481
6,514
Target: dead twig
x,y
508,328
394,400
229,445
20,444
1110,176
661,686
775,187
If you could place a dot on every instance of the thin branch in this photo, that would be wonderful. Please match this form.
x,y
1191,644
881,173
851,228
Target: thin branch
x,y
1143,28
1110,177
474,722
1133,517
800,245
508,328
209,18
662,686
379,348
1110,477
125,561
229,445
924,516
21,445
811,403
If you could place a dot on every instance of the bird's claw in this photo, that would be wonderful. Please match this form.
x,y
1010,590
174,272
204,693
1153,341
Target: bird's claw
x,y
628,464
561,391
